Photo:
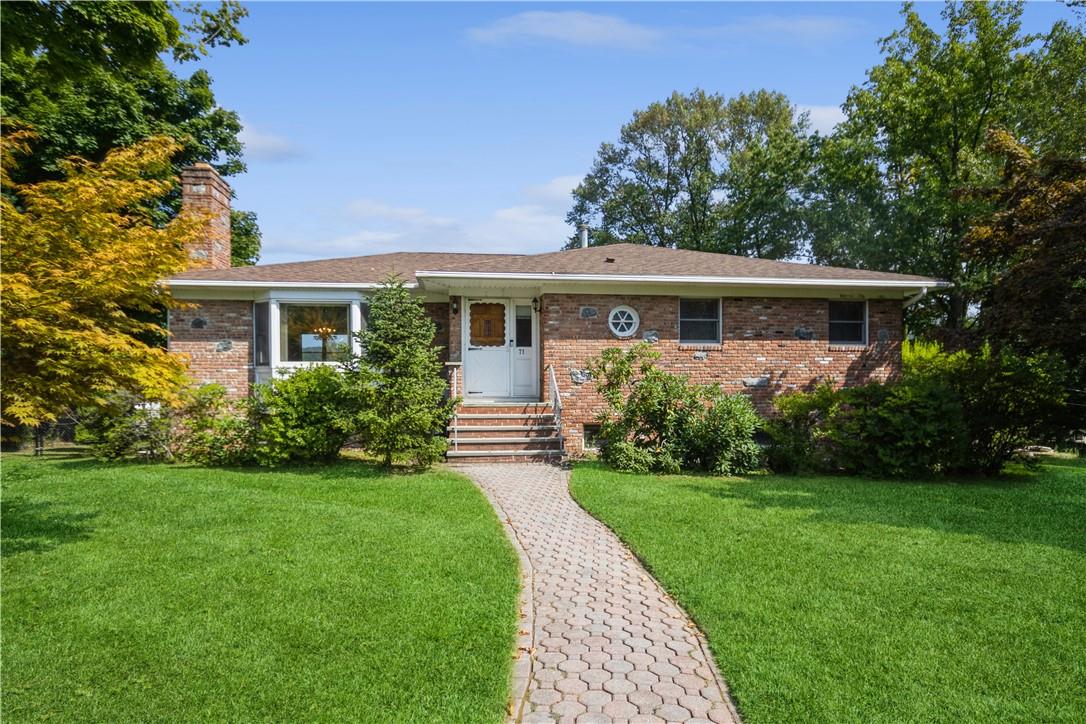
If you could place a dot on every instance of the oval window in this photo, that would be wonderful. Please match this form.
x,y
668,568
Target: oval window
x,y
623,321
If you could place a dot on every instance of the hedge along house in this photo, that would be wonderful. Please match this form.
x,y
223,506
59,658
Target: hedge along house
x,y
517,331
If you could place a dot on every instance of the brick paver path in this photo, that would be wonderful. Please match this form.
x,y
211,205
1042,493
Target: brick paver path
x,y
601,641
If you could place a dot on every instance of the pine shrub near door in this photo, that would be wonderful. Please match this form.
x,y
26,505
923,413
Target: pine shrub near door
x,y
398,380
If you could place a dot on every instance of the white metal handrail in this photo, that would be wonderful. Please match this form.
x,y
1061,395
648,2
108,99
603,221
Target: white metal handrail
x,y
454,378
555,395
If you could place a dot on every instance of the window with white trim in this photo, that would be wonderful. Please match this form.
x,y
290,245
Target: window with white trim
x,y
313,332
623,321
699,321
848,322
261,344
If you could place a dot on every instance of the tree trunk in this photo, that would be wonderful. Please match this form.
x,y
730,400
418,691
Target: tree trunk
x,y
956,309
956,301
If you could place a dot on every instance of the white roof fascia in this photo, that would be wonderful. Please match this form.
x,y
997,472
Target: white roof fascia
x,y
667,279
227,284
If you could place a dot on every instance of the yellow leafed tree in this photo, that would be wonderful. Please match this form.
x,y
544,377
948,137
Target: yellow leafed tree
x,y
81,262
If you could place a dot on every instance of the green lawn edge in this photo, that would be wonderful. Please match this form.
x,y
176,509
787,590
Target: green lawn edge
x,y
844,599
168,592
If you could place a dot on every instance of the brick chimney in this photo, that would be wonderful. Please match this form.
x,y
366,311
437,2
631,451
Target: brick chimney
x,y
203,190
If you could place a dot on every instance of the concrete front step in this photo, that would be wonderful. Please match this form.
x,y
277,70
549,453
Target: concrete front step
x,y
497,432
505,456
504,416
482,440
504,447
502,428
531,407
473,433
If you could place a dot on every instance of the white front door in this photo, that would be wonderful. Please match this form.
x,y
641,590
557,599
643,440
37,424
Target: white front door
x,y
486,350
501,343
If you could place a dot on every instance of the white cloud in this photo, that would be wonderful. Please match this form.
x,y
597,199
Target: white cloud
x,y
813,32
263,146
528,228
372,209
810,31
555,191
367,237
536,225
571,27
823,118
274,251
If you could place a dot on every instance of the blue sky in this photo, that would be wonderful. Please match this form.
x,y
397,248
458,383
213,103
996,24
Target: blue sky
x,y
462,127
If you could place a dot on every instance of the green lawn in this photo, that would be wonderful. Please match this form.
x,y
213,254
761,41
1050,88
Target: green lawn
x,y
166,593
837,599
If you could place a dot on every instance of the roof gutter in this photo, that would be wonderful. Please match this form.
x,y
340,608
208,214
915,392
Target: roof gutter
x,y
665,279
227,284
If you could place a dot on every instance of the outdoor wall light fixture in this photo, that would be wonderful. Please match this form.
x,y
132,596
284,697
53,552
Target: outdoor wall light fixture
x,y
455,305
535,304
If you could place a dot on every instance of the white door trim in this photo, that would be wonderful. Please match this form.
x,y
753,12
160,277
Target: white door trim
x,y
510,304
514,353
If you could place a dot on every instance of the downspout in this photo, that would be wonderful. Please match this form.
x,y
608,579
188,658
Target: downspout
x,y
916,297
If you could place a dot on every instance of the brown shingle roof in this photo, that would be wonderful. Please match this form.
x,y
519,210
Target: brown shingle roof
x,y
371,269
641,260
615,260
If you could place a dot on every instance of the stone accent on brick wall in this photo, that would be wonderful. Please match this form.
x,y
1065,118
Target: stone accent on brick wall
x,y
216,337
770,346
204,191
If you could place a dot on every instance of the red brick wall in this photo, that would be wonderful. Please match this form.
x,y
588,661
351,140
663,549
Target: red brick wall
x,y
454,329
203,191
439,313
217,337
762,354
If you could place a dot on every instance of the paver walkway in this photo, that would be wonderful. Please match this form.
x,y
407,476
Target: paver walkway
x,y
601,641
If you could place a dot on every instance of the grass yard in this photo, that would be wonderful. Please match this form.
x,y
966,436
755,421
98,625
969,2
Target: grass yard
x,y
167,593
848,600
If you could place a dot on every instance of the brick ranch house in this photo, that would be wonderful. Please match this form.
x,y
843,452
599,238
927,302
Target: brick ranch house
x,y
517,331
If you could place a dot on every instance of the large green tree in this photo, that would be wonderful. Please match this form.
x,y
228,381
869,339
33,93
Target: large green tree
x,y
1035,246
886,194
701,171
91,77
82,262
244,238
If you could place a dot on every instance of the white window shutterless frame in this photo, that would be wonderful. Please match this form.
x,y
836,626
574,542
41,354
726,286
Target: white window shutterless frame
x,y
269,332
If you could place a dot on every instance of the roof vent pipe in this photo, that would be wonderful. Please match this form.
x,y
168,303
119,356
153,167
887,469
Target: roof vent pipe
x,y
582,230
